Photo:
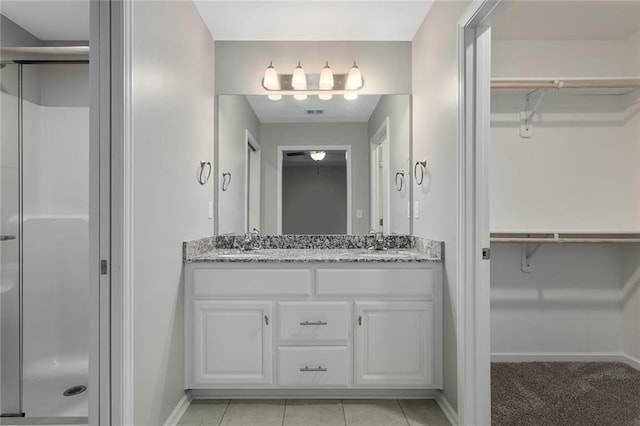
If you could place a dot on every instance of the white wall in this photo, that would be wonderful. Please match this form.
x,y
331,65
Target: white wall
x,y
173,113
240,65
311,134
631,301
398,109
579,172
234,117
435,133
569,304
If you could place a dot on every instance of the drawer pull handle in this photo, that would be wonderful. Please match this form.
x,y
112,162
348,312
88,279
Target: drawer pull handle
x,y
313,323
360,320
319,368
266,320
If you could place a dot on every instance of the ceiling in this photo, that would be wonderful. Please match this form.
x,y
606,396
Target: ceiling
x,y
567,20
302,20
336,110
308,20
50,19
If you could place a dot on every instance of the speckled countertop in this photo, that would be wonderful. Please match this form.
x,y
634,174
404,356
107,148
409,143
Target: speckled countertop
x,y
313,248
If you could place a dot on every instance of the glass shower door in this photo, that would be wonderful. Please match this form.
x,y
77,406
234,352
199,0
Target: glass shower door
x,y
10,291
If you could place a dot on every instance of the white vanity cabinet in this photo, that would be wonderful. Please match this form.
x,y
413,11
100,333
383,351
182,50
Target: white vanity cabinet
x,y
305,326
232,342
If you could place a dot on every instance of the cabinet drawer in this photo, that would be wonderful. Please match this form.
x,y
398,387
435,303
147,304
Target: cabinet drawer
x,y
375,282
313,366
251,282
314,322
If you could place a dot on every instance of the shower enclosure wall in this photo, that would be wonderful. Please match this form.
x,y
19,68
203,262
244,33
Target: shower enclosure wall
x,y
44,156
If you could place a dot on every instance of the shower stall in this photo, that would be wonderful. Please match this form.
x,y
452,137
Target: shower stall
x,y
44,242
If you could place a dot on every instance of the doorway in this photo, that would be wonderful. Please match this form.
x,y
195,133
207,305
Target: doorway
x,y
380,206
253,184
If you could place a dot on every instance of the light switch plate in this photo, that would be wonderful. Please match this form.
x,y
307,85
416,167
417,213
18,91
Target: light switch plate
x,y
359,213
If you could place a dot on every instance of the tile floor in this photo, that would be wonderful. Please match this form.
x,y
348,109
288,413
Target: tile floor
x,y
320,412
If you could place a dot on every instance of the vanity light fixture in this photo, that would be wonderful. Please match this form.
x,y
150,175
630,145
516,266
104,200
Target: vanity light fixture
x,y
317,155
299,78
326,84
326,78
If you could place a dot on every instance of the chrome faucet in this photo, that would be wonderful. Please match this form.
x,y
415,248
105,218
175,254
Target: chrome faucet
x,y
378,241
251,240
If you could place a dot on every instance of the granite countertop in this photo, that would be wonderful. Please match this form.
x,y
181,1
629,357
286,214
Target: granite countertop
x,y
313,248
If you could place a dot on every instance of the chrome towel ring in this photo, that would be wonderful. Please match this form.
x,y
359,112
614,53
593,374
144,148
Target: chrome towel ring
x,y
203,176
422,166
226,180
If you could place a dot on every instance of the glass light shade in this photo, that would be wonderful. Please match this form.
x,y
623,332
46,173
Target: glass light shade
x,y
354,78
326,78
318,155
351,96
325,96
299,79
271,80
300,97
274,97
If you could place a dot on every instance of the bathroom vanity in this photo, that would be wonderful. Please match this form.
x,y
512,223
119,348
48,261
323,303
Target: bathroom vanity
x,y
312,313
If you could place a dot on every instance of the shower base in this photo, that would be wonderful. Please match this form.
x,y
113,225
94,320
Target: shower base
x,y
45,384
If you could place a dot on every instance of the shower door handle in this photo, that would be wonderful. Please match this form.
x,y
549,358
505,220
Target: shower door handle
x,y
7,237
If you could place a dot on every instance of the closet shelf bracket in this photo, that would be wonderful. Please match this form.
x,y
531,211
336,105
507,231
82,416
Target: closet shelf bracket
x,y
526,257
526,116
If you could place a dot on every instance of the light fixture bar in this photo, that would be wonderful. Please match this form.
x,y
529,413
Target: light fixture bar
x,y
339,85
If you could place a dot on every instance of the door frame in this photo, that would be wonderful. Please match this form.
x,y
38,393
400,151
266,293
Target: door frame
x,y
381,138
251,141
473,316
110,212
281,149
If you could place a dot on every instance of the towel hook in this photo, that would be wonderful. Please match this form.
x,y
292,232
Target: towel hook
x,y
202,176
399,183
226,180
420,165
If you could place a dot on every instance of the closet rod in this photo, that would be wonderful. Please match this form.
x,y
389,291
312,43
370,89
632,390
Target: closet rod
x,y
565,84
565,240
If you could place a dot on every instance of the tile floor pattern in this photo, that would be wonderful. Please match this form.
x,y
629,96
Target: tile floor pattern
x,y
314,412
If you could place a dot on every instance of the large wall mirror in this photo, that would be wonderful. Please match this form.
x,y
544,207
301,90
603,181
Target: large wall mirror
x,y
314,166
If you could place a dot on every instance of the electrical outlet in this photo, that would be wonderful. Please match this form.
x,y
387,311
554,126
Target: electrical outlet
x,y
416,210
359,213
408,210
210,209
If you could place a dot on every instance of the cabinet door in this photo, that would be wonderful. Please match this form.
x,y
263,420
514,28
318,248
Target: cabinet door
x,y
394,343
232,343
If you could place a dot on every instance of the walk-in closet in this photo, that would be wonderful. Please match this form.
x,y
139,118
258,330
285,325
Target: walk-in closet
x,y
565,213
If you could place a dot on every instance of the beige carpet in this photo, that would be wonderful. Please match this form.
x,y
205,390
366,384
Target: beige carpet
x,y
564,394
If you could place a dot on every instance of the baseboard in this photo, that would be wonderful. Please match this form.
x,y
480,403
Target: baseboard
x,y
559,357
631,361
284,393
447,409
179,411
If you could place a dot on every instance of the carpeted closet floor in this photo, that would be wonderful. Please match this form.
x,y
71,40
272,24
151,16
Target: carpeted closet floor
x,y
565,393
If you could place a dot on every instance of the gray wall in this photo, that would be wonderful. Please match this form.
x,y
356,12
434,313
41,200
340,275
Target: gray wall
x,y
172,131
314,200
305,134
435,133
234,117
385,66
11,34
398,109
